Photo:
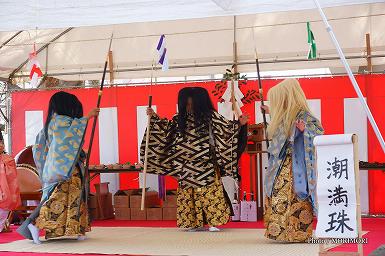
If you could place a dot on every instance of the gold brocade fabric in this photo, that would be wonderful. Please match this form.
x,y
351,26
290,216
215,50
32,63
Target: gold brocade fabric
x,y
287,218
59,215
200,206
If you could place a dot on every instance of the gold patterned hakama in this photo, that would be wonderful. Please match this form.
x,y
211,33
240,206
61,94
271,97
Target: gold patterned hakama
x,y
202,206
287,218
59,215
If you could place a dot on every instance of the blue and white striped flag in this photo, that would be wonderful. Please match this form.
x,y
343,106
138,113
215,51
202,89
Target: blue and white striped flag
x,y
162,50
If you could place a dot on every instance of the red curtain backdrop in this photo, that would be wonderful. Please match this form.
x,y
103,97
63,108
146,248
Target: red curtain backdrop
x,y
331,92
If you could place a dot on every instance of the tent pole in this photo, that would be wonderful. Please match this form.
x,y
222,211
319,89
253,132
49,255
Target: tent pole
x,y
368,54
351,76
10,39
235,53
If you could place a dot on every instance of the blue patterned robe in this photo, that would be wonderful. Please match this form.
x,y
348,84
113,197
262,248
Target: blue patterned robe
x,y
303,156
57,155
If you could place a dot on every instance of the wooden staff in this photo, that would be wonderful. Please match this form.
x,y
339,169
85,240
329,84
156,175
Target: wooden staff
x,y
86,176
262,101
146,155
146,148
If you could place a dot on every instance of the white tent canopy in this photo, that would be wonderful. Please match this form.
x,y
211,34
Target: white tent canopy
x,y
199,35
44,14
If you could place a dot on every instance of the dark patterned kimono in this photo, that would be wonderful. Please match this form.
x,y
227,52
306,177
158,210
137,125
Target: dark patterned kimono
x,y
197,159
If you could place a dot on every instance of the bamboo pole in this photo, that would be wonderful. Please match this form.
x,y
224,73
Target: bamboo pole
x,y
100,93
142,204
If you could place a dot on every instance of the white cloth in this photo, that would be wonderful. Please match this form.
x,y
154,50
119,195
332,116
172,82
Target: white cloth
x,y
231,187
228,106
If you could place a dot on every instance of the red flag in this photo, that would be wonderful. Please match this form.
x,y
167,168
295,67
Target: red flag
x,y
35,69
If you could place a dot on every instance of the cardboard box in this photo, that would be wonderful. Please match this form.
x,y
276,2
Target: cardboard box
x,y
122,198
137,214
154,213
169,213
151,200
122,213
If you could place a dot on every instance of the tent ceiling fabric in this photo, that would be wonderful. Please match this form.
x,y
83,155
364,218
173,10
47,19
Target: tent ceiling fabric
x,y
43,14
276,35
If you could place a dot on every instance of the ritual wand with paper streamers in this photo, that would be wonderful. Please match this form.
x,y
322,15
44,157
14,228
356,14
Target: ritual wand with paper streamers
x,y
147,142
237,111
95,119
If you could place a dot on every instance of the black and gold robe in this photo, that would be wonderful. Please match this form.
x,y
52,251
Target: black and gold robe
x,y
197,163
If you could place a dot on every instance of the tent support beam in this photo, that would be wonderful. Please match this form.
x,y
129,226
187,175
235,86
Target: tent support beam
x,y
216,64
12,75
10,39
351,76
211,79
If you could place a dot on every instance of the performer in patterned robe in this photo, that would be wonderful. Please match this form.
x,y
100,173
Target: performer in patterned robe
x,y
197,146
59,160
290,181
9,187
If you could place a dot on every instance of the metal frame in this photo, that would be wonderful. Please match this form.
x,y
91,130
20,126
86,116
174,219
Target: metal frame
x,y
351,76
10,39
187,81
38,51
215,64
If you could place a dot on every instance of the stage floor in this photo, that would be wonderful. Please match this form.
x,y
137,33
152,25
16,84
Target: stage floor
x,y
167,241
162,238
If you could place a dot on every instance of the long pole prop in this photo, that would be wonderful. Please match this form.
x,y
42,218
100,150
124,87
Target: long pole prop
x,y
146,148
95,119
260,90
351,76
262,101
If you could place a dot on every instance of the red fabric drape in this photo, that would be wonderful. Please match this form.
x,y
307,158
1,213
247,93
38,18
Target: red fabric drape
x,y
331,92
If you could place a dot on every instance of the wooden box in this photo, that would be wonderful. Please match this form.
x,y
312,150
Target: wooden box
x,y
170,201
137,214
122,198
102,188
152,199
154,214
255,132
122,213
169,213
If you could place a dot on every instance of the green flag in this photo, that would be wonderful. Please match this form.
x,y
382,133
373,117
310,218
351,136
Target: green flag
x,y
312,46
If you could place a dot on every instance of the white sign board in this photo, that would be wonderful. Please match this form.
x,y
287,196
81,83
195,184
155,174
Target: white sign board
x,y
336,187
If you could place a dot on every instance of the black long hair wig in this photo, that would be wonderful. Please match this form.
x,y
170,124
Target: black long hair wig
x,y
202,106
183,96
63,103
